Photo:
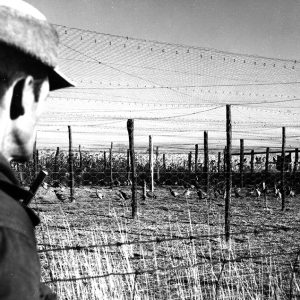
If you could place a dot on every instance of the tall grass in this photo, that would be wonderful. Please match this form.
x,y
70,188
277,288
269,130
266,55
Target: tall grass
x,y
176,269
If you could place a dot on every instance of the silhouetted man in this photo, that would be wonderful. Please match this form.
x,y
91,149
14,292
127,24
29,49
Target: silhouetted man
x,y
28,58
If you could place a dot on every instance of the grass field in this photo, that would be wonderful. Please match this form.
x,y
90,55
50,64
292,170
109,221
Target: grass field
x,y
175,249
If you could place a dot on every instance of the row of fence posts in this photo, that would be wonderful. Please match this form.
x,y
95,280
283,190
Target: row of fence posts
x,y
131,165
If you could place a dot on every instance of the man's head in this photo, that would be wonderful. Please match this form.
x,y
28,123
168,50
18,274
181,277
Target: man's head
x,y
28,60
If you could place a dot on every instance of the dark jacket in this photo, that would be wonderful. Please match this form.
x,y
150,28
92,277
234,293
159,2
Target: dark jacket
x,y
19,262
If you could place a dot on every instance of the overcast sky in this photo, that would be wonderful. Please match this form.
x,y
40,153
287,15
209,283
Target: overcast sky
x,y
261,27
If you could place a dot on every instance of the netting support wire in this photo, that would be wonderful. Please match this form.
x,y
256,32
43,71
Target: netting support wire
x,y
228,171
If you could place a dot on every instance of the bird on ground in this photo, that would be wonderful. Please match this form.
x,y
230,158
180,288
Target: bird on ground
x,y
237,192
201,194
257,192
264,187
99,194
291,192
187,193
125,195
45,185
174,193
150,194
60,196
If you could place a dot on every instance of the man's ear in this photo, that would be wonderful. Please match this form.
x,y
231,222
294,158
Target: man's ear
x,y
21,87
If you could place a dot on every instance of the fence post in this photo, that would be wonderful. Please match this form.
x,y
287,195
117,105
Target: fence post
x,y
196,158
296,160
128,163
190,162
71,171
267,161
130,129
55,175
206,162
228,173
282,169
80,158
252,162
151,164
111,165
224,159
164,162
157,165
219,162
241,163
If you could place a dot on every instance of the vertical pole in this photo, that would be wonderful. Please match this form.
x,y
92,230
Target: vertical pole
x,y
151,163
224,161
241,163
196,158
228,173
157,164
104,161
37,161
55,175
130,129
71,171
128,165
144,190
111,165
206,162
267,163
164,161
80,158
190,162
296,160
34,159
219,162
282,169
252,162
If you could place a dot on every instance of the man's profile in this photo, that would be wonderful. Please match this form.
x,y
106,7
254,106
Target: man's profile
x,y
28,61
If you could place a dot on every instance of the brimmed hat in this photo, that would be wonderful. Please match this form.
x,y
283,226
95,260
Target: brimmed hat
x,y
25,28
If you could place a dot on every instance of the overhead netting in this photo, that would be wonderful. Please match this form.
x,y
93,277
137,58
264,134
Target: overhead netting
x,y
174,93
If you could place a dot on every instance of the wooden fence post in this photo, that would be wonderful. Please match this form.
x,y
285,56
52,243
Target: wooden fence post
x,y
267,163
252,162
206,162
151,164
157,164
241,163
164,162
296,160
190,162
130,129
228,173
128,163
111,165
80,158
224,160
104,161
219,162
55,175
196,158
71,167
282,169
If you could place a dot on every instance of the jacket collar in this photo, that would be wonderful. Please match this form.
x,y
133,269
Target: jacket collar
x,y
9,183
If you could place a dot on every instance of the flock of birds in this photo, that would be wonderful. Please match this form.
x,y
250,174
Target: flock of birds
x,y
237,192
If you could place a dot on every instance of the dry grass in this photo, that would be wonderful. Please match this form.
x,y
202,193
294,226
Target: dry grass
x,y
252,266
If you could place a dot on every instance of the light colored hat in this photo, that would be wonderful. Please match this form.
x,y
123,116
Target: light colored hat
x,y
25,28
